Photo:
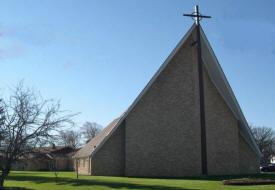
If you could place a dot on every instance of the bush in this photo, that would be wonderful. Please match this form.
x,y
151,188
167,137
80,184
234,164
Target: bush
x,y
248,181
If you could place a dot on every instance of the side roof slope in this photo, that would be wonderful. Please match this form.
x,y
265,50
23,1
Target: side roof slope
x,y
93,143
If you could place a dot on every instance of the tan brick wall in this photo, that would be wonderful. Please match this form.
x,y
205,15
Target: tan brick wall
x,y
221,133
83,166
163,130
249,161
109,160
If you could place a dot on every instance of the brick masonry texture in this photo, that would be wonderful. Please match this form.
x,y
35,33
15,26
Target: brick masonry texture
x,y
249,161
221,133
109,160
163,130
84,169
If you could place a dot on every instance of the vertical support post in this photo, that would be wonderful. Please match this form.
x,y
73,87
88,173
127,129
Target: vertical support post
x,y
201,92
123,147
76,167
89,165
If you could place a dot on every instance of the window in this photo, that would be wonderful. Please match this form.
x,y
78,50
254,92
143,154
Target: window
x,y
84,160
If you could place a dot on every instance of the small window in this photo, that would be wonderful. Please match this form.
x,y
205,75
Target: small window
x,y
84,160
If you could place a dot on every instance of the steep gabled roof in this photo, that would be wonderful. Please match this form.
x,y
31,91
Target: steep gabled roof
x,y
88,149
216,75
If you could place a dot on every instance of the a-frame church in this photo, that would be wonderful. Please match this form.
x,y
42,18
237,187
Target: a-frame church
x,y
161,134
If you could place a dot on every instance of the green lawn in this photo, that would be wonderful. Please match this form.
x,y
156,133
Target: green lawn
x,y
21,180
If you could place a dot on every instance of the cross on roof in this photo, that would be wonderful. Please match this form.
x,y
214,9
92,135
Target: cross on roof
x,y
197,15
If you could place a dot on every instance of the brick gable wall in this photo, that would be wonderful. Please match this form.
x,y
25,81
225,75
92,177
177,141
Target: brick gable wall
x,y
163,130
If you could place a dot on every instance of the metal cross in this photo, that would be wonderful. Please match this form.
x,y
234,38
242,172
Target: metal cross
x,y
197,15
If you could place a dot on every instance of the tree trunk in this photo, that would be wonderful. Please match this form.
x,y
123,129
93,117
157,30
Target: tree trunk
x,y
4,175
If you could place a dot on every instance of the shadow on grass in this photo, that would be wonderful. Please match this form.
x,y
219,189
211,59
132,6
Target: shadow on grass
x,y
215,178
91,182
16,188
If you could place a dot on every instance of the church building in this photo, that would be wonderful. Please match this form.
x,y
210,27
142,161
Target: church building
x,y
162,134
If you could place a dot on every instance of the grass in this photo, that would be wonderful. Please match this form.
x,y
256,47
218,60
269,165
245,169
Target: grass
x,y
22,180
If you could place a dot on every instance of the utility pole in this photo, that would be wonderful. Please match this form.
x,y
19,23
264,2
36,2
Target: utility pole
x,y
198,17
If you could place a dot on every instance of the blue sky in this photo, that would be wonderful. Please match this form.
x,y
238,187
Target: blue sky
x,y
97,55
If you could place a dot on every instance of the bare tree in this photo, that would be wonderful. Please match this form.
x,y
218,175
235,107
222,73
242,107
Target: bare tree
x,y
29,121
2,119
90,130
70,138
2,132
265,139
